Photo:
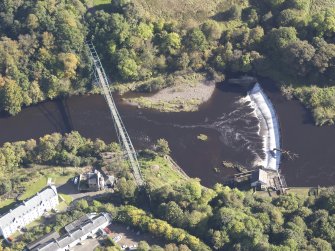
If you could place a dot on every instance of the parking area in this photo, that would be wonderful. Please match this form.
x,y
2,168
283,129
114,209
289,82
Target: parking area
x,y
128,238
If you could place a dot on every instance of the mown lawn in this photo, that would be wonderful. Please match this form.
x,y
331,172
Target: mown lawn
x,y
33,187
37,178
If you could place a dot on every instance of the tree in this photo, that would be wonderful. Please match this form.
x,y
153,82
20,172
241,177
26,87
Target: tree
x,y
298,4
279,38
174,214
10,96
82,205
170,43
5,186
126,188
196,40
162,147
297,56
324,55
290,17
120,28
48,147
212,30
320,244
145,31
143,246
73,141
219,239
128,69
69,63
252,17
35,92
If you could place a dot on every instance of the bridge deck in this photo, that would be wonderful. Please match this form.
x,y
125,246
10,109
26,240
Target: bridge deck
x,y
122,134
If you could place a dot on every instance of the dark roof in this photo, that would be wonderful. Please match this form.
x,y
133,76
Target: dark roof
x,y
76,223
94,221
50,237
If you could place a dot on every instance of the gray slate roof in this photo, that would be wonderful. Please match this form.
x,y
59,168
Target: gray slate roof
x,y
86,227
26,206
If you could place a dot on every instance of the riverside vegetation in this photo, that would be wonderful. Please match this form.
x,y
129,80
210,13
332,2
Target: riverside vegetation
x,y
182,213
43,53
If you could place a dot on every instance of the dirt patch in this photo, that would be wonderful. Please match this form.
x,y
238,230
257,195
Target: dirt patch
x,y
181,97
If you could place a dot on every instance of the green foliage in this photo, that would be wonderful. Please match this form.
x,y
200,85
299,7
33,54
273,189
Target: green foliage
x,y
126,188
320,100
162,147
196,40
5,186
32,66
138,218
11,97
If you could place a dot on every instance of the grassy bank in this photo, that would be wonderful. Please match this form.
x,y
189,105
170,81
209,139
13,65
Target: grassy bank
x,y
159,172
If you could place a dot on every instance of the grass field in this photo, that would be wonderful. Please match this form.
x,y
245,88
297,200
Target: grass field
x,y
318,5
159,172
100,2
190,11
33,187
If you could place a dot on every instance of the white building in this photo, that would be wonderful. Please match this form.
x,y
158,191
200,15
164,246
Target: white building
x,y
28,211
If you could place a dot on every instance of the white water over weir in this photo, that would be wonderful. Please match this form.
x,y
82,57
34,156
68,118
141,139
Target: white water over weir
x,y
269,127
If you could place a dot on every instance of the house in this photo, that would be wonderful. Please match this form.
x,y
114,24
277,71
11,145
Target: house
x,y
260,179
28,211
76,232
91,181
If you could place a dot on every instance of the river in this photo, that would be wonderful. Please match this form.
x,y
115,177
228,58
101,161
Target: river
x,y
226,119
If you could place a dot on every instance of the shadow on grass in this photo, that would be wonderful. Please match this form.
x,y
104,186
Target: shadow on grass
x,y
107,7
5,209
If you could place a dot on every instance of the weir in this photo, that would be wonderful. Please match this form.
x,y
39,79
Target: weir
x,y
270,131
269,127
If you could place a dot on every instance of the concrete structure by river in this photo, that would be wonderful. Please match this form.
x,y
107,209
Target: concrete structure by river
x,y
269,127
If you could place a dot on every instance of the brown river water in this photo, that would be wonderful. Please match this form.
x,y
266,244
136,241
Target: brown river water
x,y
226,119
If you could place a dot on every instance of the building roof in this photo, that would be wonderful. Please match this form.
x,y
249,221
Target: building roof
x,y
93,222
50,237
76,223
27,206
260,176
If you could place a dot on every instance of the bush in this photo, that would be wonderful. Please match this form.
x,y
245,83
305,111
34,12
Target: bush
x,y
5,186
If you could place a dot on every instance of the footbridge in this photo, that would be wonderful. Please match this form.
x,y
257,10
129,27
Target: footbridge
x,y
121,131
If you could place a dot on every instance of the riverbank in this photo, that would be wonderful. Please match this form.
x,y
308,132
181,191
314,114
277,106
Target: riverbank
x,y
185,95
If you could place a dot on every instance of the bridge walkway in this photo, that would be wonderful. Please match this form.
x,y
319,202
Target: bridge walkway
x,y
121,131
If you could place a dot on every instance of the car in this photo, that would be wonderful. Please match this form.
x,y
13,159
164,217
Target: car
x,y
116,239
124,247
75,181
